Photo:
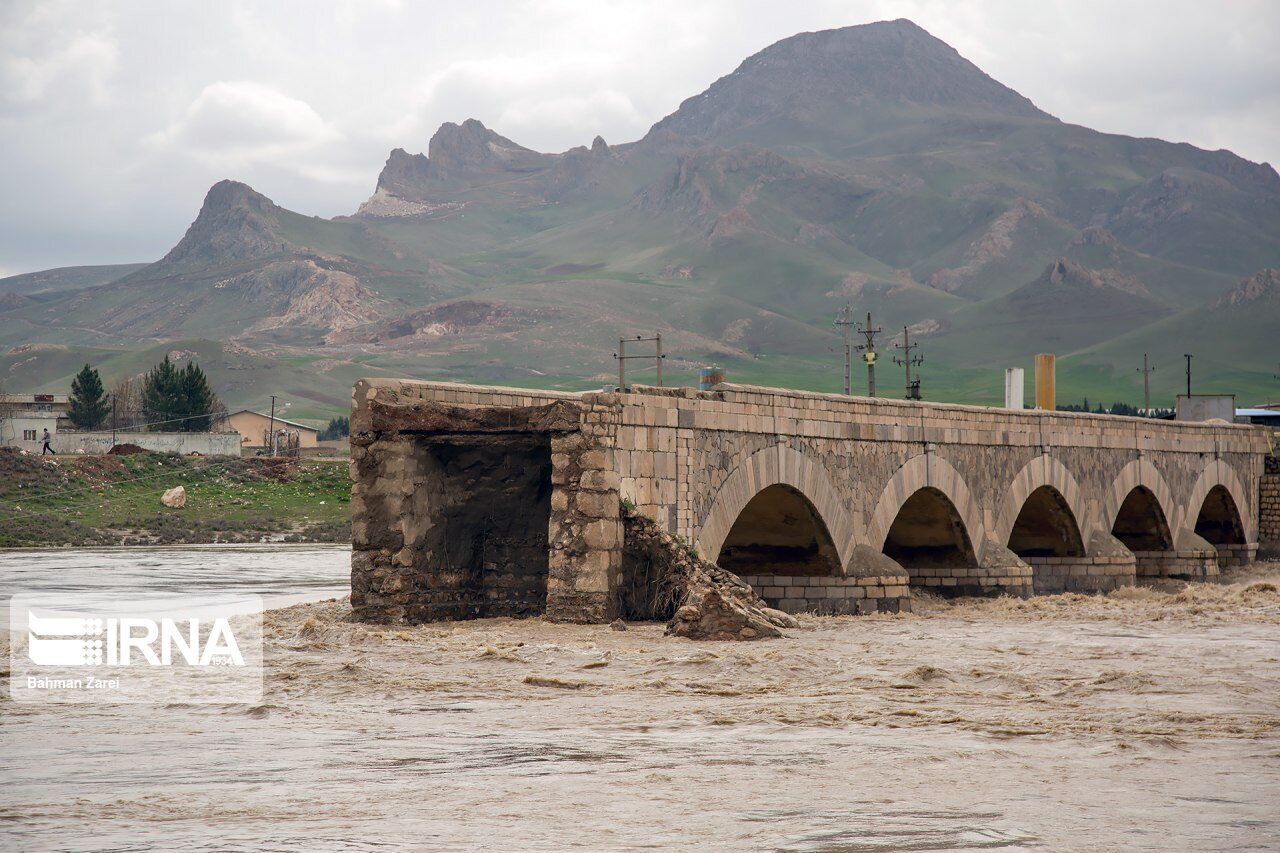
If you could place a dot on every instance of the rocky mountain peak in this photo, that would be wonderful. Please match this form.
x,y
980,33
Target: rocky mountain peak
x,y
229,195
236,222
820,75
470,147
456,154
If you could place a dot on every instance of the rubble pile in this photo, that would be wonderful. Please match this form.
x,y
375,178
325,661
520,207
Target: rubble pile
x,y
665,578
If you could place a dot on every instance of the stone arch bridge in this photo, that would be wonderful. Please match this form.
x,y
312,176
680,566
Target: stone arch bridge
x,y
476,501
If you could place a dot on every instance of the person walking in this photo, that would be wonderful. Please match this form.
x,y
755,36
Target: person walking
x,y
46,438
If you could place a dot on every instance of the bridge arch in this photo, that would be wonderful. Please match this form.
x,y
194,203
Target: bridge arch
x,y
1046,526
1139,473
927,471
796,475
1219,501
1042,472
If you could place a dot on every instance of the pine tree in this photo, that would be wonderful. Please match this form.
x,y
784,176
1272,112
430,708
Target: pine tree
x,y
198,400
88,399
338,427
162,397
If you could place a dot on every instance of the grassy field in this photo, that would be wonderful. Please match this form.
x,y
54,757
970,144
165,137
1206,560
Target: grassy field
x,y
114,500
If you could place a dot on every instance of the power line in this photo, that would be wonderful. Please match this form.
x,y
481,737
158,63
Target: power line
x,y
621,357
845,320
908,361
868,351
1146,372
214,417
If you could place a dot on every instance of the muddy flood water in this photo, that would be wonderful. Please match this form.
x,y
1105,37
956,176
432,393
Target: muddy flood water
x,y
1145,719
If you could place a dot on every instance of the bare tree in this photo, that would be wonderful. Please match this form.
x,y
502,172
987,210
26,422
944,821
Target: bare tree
x,y
126,397
220,413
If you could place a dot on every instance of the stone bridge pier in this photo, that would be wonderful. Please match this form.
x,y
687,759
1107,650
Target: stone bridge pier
x,y
473,501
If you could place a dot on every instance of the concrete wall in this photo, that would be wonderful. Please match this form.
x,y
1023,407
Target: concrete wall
x,y
13,429
694,461
184,443
1203,407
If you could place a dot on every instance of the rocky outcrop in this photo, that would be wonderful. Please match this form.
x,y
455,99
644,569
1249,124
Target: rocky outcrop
x,y
469,317
1063,272
463,149
330,299
995,243
384,204
306,292
458,154
713,180
1263,285
1097,236
462,157
403,174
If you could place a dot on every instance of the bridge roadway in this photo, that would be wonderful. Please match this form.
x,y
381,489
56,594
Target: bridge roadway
x,y
477,501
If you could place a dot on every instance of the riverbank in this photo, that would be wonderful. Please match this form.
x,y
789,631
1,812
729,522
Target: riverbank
x,y
115,500
1142,719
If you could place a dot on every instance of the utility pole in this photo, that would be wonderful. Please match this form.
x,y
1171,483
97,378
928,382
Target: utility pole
x,y
621,356
907,361
273,425
846,322
1146,371
113,420
868,351
1188,357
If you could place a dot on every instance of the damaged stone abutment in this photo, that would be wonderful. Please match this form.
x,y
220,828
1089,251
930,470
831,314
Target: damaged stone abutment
x,y
474,513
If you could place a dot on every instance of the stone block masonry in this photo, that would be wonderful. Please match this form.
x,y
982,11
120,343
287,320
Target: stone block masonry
x,y
474,501
1269,510
830,596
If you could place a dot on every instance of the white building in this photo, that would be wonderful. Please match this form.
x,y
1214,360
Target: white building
x,y
25,417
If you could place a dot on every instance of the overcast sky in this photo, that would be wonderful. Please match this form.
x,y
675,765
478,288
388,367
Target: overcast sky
x,y
115,117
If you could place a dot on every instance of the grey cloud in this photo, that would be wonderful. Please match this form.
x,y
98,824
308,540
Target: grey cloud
x,y
115,118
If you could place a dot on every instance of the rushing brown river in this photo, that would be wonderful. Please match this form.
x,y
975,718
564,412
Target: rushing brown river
x,y
1146,719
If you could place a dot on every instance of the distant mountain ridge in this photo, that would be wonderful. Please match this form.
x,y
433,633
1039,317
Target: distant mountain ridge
x,y
870,163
